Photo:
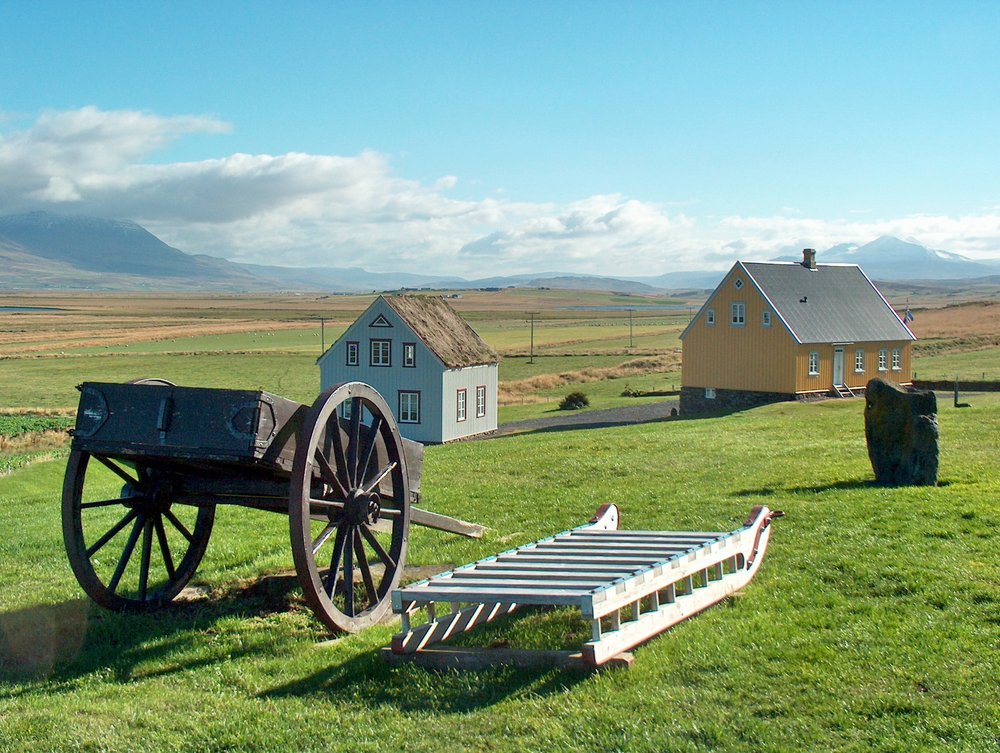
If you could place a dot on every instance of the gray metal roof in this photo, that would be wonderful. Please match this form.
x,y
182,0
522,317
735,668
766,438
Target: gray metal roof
x,y
832,303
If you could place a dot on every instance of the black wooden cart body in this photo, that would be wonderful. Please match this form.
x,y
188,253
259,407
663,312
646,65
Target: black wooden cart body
x,y
150,462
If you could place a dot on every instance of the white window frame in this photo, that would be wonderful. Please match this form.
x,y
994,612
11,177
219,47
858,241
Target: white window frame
x,y
710,317
379,353
409,355
859,361
813,367
409,407
710,393
461,404
883,359
738,314
353,347
765,318
897,359
480,401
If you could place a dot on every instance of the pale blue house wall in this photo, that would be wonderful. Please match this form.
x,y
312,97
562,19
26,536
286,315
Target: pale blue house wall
x,y
437,385
468,379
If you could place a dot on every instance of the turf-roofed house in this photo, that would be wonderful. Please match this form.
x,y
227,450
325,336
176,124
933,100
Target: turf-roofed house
x,y
436,373
774,331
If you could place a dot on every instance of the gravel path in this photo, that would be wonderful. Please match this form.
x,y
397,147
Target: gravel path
x,y
593,419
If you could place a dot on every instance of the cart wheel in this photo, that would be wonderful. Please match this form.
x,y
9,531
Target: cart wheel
x,y
349,507
105,522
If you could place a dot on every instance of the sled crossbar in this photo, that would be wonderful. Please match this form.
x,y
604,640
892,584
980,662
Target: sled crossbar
x,y
630,585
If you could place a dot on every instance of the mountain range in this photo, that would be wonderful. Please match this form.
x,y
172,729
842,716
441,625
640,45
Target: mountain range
x,y
45,251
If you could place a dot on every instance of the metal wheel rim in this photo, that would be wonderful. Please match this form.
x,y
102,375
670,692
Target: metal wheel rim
x,y
346,541
161,574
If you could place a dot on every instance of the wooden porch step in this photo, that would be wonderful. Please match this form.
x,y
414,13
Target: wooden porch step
x,y
843,390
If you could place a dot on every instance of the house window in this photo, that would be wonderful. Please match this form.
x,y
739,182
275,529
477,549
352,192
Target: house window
x,y
765,319
381,353
710,393
409,355
710,317
352,354
859,361
460,406
739,314
897,359
883,360
480,401
738,284
409,407
813,363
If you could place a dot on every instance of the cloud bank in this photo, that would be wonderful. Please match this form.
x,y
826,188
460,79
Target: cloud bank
x,y
300,209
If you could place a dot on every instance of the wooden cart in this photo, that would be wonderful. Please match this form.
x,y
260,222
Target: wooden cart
x,y
151,461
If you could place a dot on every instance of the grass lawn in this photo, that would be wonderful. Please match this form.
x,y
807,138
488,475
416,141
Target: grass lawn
x,y
874,624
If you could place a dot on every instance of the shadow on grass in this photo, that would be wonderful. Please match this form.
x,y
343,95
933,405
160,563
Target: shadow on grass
x,y
409,687
60,642
820,488
768,491
48,648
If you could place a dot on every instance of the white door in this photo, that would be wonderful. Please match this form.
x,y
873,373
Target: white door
x,y
838,365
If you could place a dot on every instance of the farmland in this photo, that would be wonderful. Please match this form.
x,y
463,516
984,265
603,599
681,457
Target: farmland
x,y
873,626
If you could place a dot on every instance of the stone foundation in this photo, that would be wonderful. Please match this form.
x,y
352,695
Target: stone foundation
x,y
693,400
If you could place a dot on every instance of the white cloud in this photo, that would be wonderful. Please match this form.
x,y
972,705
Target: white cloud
x,y
310,210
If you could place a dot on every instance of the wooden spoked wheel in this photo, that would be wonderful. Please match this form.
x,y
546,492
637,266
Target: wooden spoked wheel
x,y
349,507
110,509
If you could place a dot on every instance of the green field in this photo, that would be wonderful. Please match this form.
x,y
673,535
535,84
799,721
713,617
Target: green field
x,y
874,624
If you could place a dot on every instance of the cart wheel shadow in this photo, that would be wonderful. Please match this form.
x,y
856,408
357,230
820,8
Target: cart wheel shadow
x,y
44,648
74,638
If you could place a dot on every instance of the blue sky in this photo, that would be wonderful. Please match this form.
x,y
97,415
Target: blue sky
x,y
472,138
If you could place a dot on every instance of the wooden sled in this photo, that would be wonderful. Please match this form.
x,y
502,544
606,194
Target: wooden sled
x,y
630,585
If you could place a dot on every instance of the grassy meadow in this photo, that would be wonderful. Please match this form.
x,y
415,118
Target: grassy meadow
x,y
874,624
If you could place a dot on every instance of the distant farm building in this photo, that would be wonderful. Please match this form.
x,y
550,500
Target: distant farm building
x,y
775,331
436,373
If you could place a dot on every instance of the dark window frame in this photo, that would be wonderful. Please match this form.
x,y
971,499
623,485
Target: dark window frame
x,y
387,352
480,390
399,406
412,364
461,405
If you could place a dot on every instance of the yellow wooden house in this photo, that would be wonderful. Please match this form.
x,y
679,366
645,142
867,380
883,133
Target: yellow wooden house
x,y
775,331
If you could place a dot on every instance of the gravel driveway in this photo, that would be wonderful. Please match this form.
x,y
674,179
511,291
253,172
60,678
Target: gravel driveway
x,y
592,419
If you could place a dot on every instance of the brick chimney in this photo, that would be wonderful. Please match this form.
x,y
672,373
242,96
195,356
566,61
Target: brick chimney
x,y
809,258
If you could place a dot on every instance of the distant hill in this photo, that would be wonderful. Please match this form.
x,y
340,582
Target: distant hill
x,y
889,258
340,279
555,281
41,250
45,251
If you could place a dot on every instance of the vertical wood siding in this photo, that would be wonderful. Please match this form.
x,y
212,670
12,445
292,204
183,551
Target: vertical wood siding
x,y
436,384
751,357
852,378
768,359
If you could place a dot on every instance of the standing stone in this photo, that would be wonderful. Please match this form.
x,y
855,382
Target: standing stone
x,y
902,433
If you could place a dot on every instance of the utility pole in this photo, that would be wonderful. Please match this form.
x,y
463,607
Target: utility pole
x,y
322,335
630,327
532,314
